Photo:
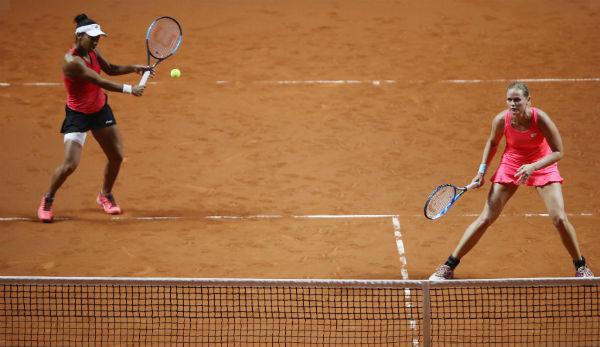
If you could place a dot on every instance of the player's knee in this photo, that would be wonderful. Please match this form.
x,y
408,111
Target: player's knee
x,y
116,158
559,220
486,220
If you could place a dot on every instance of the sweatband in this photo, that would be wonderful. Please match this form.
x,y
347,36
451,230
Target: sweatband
x,y
482,168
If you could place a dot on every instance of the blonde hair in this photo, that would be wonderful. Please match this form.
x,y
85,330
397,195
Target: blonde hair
x,y
520,86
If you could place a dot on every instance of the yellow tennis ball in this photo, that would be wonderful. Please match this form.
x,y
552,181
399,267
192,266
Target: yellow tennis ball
x,y
175,73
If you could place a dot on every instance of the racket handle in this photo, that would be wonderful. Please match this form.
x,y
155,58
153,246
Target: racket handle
x,y
145,78
471,186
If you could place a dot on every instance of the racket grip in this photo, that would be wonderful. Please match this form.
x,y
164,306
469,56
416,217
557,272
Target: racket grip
x,y
471,186
145,78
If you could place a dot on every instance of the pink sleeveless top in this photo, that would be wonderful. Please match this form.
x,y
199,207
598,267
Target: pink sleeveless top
x,y
525,147
84,96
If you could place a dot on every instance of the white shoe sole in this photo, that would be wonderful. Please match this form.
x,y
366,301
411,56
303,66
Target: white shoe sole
x,y
437,278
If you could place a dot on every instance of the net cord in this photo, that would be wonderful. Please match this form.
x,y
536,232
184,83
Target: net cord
x,y
323,283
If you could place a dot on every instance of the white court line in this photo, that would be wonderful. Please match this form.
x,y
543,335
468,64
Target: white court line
x,y
404,272
528,80
548,215
27,219
344,216
311,82
274,216
146,218
582,214
391,81
40,84
357,82
308,216
258,216
373,82
400,246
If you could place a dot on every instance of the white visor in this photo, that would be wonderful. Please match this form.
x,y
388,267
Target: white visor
x,y
92,30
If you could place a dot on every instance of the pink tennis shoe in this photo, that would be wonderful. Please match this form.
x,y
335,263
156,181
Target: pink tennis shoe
x,y
44,212
108,203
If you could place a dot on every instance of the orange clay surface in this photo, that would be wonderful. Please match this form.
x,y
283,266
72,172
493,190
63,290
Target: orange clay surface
x,y
230,139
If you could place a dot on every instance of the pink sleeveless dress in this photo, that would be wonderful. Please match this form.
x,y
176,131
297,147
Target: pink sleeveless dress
x,y
525,147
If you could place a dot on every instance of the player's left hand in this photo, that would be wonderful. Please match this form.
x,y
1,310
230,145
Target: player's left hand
x,y
524,172
140,69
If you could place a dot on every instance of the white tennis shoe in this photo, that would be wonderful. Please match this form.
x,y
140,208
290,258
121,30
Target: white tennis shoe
x,y
583,271
442,273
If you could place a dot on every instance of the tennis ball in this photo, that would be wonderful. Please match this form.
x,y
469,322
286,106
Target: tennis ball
x,y
175,73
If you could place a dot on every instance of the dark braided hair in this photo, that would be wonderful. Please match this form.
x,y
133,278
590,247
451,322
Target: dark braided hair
x,y
82,19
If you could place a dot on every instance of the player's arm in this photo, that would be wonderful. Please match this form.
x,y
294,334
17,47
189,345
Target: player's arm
x,y
491,147
552,135
114,70
74,67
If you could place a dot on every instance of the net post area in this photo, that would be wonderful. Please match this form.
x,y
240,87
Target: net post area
x,y
93,311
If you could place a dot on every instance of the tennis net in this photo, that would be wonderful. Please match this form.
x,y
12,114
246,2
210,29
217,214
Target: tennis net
x,y
69,311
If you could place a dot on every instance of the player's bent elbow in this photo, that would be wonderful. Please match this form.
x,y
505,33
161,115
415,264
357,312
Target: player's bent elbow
x,y
559,155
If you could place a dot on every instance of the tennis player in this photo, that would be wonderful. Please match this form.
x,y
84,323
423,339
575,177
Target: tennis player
x,y
533,148
86,110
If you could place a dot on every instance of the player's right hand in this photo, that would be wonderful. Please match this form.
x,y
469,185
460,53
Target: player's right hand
x,y
479,180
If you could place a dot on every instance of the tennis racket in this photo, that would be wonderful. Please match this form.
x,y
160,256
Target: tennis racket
x,y
163,38
442,198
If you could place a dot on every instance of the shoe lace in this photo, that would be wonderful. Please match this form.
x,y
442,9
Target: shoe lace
x,y
110,199
442,271
583,270
47,205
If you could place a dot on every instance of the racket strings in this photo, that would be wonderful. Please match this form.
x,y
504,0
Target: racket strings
x,y
164,38
439,201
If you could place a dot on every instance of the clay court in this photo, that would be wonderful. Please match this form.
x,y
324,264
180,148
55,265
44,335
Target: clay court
x,y
301,140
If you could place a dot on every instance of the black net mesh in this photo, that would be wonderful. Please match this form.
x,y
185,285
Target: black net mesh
x,y
361,313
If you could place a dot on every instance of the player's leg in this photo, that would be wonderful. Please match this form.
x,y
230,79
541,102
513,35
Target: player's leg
x,y
71,160
110,141
496,200
73,148
552,196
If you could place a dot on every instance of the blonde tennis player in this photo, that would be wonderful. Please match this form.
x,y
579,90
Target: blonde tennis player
x,y
533,148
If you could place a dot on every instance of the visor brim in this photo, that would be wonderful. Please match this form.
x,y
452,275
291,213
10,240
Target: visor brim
x,y
95,32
